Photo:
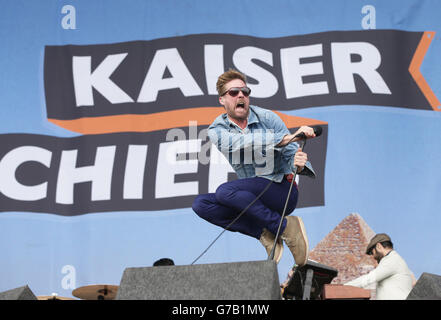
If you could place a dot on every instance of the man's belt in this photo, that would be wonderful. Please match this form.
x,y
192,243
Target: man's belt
x,y
289,177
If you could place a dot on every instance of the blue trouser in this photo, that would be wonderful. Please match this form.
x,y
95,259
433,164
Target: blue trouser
x,y
222,207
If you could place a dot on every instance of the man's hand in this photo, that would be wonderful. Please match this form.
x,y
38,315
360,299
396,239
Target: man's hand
x,y
300,159
308,131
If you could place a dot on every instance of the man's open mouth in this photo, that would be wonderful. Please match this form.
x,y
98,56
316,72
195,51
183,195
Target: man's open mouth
x,y
240,105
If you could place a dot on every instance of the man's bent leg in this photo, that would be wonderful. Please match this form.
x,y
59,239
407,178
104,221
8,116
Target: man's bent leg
x,y
266,211
208,208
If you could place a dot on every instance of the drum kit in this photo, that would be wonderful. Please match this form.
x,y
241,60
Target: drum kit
x,y
90,292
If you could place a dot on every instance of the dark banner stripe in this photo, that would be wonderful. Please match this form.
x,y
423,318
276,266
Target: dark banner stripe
x,y
123,171
370,67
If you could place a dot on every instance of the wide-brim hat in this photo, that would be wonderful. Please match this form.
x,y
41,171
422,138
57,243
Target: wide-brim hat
x,y
378,238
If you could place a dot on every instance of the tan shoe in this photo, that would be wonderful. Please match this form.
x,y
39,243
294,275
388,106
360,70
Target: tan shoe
x,y
267,239
295,238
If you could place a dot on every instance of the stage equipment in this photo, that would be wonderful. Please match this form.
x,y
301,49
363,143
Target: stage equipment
x,y
307,281
21,293
254,280
428,287
340,292
96,292
54,297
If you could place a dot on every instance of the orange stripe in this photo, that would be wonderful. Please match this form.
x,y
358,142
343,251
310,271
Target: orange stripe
x,y
160,121
414,70
140,122
295,122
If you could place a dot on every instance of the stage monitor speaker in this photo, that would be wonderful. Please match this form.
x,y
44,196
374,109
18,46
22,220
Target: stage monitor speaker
x,y
21,293
254,280
428,287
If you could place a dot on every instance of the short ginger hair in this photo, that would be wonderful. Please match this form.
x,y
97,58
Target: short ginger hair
x,y
226,77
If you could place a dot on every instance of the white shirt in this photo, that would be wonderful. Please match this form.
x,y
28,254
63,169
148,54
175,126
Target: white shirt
x,y
392,277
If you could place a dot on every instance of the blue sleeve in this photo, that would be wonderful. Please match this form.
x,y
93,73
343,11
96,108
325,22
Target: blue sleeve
x,y
289,150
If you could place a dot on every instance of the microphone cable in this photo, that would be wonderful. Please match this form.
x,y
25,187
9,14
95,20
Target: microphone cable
x,y
273,249
302,136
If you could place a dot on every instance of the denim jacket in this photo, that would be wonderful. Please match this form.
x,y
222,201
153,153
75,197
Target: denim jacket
x,y
252,151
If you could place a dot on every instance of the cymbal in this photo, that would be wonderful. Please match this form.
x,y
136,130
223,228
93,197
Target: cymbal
x,y
54,298
96,292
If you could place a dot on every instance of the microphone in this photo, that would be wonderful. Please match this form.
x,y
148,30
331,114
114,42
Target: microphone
x,y
317,131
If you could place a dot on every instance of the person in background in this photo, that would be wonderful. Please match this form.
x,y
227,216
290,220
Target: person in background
x,y
392,277
164,262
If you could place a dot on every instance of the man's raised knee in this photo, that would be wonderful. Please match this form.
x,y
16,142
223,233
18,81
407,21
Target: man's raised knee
x,y
224,193
201,205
